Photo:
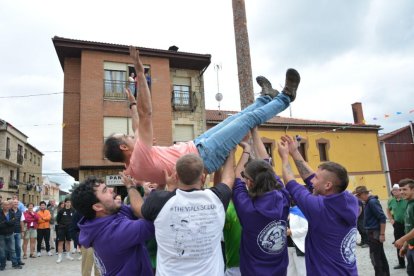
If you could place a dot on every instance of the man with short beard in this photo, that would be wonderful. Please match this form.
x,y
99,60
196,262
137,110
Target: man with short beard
x,y
113,231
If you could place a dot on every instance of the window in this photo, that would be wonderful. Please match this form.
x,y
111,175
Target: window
x,y
25,153
181,96
183,133
323,155
269,150
24,177
8,148
31,155
19,154
302,150
11,174
117,125
34,159
38,161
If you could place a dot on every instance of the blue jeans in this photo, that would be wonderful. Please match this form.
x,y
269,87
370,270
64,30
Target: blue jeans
x,y
7,245
18,246
215,144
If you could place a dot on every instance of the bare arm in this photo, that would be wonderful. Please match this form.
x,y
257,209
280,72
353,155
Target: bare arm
x,y
258,145
243,159
135,197
144,108
404,239
389,215
227,176
134,110
382,232
303,167
287,172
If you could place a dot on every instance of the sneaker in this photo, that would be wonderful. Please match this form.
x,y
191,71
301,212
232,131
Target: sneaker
x,y
364,245
73,251
2,268
69,257
49,253
59,260
21,263
17,266
80,258
24,256
399,267
39,254
291,83
266,87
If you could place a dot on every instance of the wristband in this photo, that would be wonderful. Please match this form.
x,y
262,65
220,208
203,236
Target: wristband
x,y
131,104
382,234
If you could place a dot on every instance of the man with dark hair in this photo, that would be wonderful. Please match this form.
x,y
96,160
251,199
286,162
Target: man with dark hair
x,y
116,235
64,221
7,223
331,212
374,224
147,162
188,221
406,242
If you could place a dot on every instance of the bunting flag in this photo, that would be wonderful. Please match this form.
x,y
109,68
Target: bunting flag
x,y
63,125
386,115
411,111
398,113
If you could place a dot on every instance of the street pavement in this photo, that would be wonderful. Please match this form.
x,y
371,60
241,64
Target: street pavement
x,y
46,265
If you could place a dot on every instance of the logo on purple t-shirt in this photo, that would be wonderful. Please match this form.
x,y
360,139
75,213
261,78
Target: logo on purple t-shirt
x,y
348,246
272,239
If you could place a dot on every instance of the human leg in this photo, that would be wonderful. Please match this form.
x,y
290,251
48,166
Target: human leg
x,y
32,247
260,101
377,254
215,149
10,247
25,242
2,252
398,233
17,247
47,239
39,241
87,261
410,262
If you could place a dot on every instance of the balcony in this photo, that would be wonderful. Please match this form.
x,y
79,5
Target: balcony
x,y
13,184
183,101
115,89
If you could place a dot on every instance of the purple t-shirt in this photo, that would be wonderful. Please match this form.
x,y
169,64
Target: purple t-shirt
x,y
331,240
119,242
263,247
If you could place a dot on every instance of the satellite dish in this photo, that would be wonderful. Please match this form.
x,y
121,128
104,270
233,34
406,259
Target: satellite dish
x,y
219,97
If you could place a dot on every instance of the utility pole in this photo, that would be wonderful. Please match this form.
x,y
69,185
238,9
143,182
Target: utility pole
x,y
244,66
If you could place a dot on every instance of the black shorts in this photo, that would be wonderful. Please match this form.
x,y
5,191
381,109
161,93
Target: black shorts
x,y
63,234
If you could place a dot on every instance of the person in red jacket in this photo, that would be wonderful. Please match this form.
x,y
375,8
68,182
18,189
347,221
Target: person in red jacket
x,y
31,220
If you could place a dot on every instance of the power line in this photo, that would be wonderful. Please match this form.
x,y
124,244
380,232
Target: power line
x,y
35,95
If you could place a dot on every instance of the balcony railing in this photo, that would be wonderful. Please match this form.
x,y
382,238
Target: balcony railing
x,y
183,101
115,89
13,184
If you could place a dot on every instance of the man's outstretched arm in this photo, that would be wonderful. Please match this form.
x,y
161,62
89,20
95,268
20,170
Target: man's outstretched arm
x,y
135,197
287,172
303,167
144,132
227,176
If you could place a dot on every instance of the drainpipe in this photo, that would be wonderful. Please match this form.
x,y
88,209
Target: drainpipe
x,y
385,166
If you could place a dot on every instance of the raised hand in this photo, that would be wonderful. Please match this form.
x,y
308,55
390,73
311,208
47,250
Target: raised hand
x,y
292,143
134,54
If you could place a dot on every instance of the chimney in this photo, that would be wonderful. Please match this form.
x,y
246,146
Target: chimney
x,y
358,114
173,48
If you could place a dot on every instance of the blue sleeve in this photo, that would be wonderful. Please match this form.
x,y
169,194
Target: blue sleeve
x,y
309,204
377,210
241,200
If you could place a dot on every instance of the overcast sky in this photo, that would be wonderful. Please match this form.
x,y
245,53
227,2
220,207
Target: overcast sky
x,y
346,52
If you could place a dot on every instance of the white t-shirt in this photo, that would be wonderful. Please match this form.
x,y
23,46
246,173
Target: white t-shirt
x,y
188,230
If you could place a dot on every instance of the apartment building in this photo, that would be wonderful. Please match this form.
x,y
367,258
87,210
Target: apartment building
x,y
20,165
95,105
